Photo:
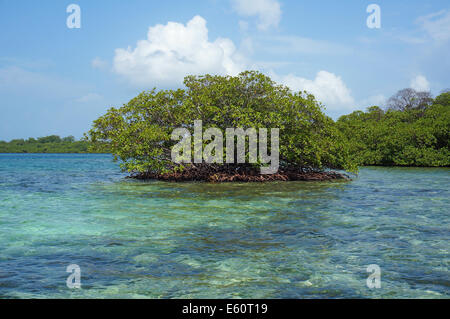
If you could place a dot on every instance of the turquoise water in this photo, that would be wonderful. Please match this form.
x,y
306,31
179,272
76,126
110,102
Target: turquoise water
x,y
136,239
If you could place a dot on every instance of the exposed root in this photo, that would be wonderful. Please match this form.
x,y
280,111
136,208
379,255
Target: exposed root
x,y
220,174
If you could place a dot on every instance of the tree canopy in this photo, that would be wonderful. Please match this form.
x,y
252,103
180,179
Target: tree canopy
x,y
138,133
405,136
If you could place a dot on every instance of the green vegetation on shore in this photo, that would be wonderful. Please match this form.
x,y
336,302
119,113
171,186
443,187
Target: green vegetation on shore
x,y
48,144
413,131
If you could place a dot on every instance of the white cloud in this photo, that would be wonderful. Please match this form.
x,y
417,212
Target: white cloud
x,y
420,83
98,63
267,11
327,87
437,25
173,51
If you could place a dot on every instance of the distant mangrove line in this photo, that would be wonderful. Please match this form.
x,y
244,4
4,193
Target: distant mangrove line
x,y
47,144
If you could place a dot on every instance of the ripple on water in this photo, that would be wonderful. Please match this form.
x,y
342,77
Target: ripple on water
x,y
136,239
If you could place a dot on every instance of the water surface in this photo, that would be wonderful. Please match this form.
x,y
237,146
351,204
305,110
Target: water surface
x,y
135,239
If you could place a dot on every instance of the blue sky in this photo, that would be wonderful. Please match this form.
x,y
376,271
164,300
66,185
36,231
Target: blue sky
x,y
56,80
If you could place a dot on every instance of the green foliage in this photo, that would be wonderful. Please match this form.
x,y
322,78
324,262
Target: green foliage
x,y
443,99
139,132
413,137
47,144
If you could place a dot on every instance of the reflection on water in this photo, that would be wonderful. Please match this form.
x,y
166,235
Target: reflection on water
x,y
199,240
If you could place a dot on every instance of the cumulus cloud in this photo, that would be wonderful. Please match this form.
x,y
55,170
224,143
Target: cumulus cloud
x,y
437,25
327,87
267,11
173,51
420,83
